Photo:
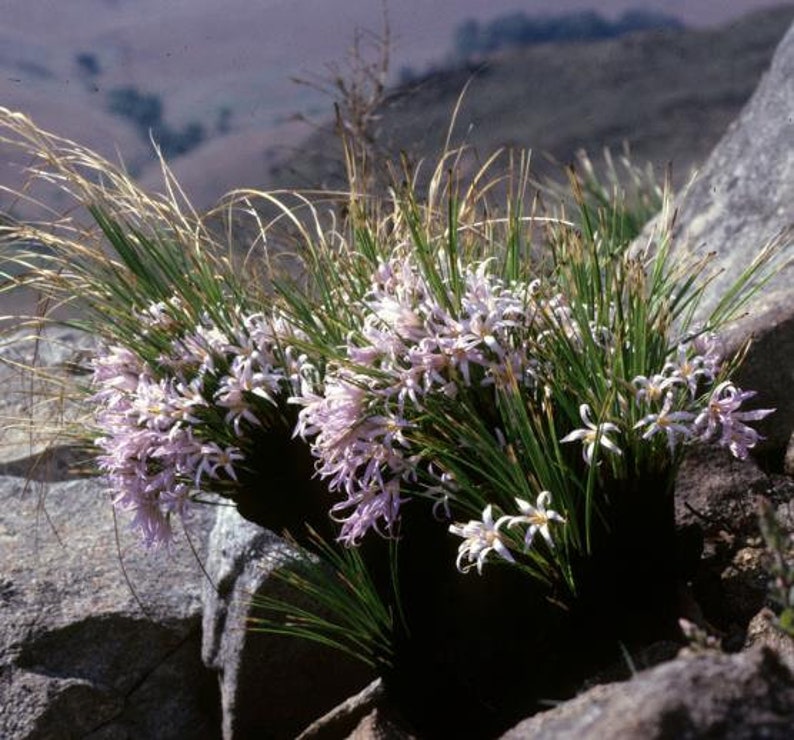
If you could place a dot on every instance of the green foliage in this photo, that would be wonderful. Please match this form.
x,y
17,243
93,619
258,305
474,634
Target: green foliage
x,y
331,598
142,251
641,299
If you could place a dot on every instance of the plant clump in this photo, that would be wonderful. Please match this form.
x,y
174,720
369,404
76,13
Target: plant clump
x,y
465,413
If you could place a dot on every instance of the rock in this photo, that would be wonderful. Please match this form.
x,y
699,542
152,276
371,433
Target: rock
x,y
788,460
762,632
81,654
733,697
347,716
378,725
762,629
742,199
37,404
271,686
718,492
718,496
745,583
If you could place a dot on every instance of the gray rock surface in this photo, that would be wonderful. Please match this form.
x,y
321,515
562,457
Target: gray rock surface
x,y
37,404
271,686
718,492
377,725
82,654
347,716
733,697
761,631
743,199
98,638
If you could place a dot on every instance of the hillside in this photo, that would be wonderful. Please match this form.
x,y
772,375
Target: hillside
x,y
212,76
670,95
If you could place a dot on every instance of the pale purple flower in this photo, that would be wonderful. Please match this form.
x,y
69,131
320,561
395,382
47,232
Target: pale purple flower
x,y
332,415
160,315
559,315
712,349
489,331
739,439
404,319
412,344
187,400
369,355
200,349
375,508
480,539
463,352
178,449
489,310
157,448
591,434
427,359
408,387
118,370
177,499
151,495
153,404
512,369
441,492
215,458
673,423
149,520
537,518
359,451
231,395
722,410
722,418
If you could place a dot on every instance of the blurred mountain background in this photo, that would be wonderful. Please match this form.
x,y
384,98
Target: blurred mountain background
x,y
213,83
668,93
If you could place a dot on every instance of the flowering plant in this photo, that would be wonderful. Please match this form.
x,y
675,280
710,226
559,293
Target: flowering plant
x,y
187,402
183,422
448,392
512,396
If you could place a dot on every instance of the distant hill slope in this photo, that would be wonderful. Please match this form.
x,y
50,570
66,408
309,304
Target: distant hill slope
x,y
670,95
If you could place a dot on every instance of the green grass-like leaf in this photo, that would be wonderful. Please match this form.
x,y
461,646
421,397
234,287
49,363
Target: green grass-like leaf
x,y
343,609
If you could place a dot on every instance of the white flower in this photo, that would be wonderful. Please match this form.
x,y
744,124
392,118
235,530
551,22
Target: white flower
x,y
538,517
667,421
687,370
592,433
480,538
651,389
